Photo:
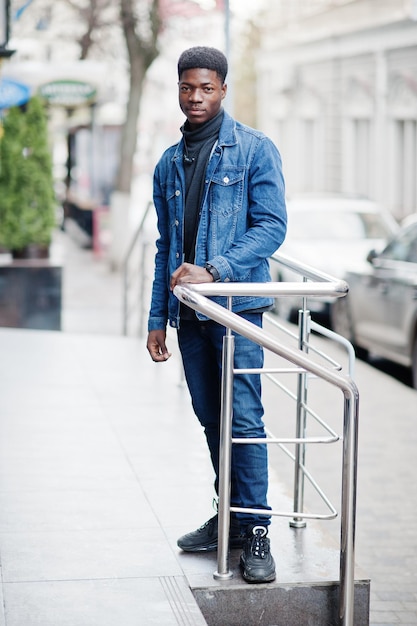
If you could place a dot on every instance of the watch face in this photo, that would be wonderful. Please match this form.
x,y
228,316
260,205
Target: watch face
x,y
212,270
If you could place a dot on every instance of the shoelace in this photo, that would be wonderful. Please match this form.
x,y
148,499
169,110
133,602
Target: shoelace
x,y
259,543
209,525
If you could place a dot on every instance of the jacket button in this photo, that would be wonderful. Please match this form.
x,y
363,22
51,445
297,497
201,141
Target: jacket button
x,y
178,192
178,255
176,222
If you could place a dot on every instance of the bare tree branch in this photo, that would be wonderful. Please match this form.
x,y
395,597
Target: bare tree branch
x,y
92,14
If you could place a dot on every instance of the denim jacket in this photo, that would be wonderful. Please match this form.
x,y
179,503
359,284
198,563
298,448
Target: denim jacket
x,y
242,217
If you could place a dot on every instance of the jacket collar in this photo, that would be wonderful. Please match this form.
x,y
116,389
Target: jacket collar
x,y
227,136
227,133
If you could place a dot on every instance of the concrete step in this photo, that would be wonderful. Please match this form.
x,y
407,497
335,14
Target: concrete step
x,y
277,605
305,593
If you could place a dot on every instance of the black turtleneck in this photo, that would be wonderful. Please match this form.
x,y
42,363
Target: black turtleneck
x,y
198,144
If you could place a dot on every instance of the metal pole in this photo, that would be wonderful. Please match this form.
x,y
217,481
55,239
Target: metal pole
x,y
225,458
300,448
142,282
125,299
125,267
348,512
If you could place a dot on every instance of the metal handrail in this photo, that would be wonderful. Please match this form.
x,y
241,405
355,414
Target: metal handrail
x,y
311,273
307,271
323,285
195,296
336,288
125,271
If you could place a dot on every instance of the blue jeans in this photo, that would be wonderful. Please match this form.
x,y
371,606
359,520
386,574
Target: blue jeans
x,y
201,346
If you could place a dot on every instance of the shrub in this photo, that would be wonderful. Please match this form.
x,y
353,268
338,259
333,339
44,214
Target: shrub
x,y
27,202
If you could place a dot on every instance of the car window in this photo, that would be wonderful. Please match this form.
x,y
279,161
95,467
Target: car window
x,y
375,226
403,247
337,225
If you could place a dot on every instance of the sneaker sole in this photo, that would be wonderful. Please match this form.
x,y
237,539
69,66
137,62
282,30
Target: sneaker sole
x,y
254,580
206,548
211,547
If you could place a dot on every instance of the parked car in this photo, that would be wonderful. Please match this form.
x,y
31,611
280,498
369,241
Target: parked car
x,y
328,232
379,314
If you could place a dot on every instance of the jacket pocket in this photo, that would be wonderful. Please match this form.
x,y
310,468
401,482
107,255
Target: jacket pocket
x,y
226,191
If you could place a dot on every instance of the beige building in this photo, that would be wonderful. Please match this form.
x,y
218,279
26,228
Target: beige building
x,y
338,94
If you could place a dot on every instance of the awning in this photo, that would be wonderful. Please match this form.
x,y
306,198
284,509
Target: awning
x,y
13,93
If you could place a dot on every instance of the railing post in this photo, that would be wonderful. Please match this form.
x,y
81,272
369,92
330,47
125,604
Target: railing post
x,y
300,448
225,454
125,298
225,458
141,301
348,510
125,268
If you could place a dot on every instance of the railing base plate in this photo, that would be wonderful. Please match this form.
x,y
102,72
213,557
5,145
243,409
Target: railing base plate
x,y
297,524
226,576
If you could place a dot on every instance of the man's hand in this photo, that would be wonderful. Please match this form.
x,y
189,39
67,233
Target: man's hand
x,y
189,273
157,347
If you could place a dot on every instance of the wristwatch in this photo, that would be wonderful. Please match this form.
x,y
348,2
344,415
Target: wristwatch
x,y
212,270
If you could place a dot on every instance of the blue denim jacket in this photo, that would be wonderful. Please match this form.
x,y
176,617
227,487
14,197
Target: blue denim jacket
x,y
242,217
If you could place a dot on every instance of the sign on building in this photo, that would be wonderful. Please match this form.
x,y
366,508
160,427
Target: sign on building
x,y
68,93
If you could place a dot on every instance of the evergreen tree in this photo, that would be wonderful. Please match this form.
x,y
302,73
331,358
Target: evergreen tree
x,y
27,203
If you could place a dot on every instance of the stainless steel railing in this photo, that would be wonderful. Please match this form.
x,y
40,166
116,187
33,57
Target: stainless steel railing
x,y
197,297
303,408
323,285
140,275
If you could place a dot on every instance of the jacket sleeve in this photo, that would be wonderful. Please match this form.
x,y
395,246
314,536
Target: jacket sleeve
x,y
158,314
266,216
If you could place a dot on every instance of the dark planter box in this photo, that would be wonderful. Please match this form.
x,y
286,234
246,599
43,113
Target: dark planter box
x,y
30,294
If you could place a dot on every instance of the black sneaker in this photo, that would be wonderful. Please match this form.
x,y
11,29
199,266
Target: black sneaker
x,y
256,560
204,539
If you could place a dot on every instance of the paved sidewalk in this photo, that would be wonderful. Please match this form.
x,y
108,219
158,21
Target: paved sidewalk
x,y
83,519
92,292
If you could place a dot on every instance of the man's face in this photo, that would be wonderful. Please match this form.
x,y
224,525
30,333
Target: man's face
x,y
200,95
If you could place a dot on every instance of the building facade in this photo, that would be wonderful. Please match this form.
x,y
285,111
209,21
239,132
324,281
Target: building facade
x,y
338,94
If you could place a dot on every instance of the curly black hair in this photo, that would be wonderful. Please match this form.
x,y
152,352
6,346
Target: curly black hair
x,y
205,57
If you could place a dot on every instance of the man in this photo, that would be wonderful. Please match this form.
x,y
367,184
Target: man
x,y
220,203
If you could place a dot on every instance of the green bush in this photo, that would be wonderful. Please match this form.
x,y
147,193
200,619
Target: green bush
x,y
27,202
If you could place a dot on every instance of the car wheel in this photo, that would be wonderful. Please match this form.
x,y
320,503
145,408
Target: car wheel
x,y
414,364
341,318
